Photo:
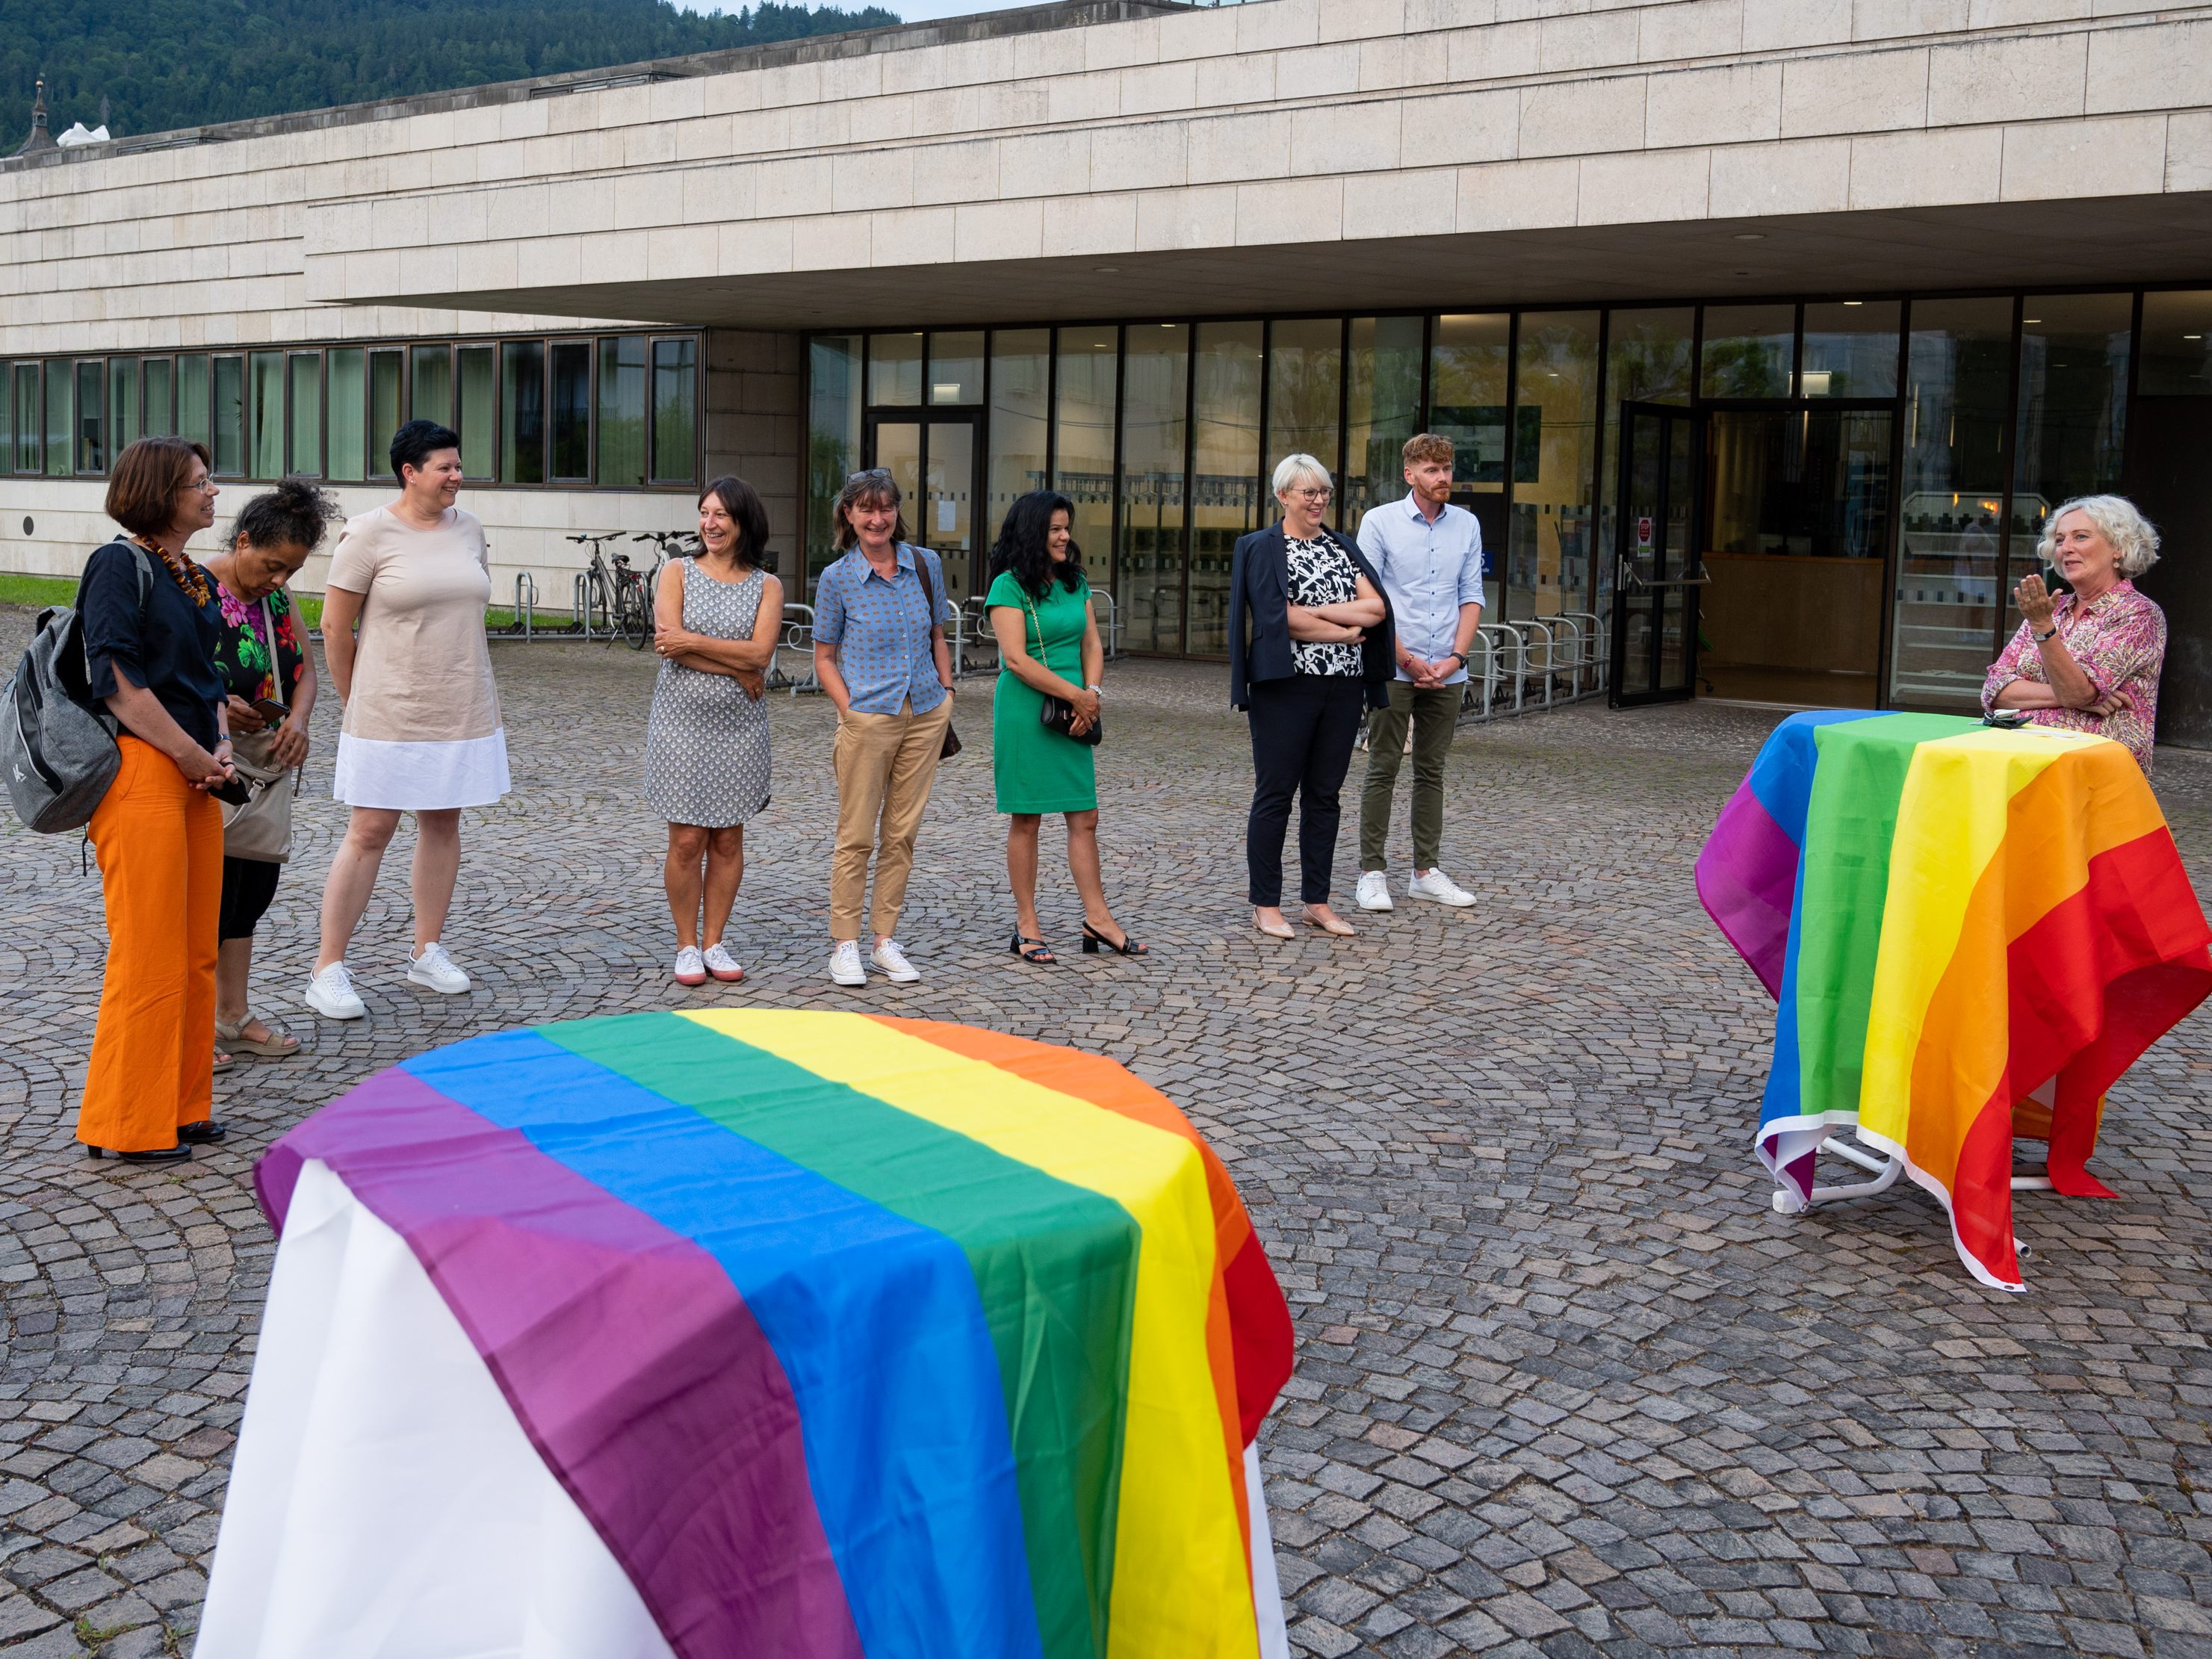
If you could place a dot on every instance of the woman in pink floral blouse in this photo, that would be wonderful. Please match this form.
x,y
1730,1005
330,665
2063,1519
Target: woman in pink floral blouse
x,y
2088,660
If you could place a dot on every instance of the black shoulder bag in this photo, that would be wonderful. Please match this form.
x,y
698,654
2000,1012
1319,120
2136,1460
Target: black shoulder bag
x,y
929,595
1057,713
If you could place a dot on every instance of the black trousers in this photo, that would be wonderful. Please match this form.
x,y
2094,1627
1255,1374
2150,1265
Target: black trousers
x,y
248,884
1303,730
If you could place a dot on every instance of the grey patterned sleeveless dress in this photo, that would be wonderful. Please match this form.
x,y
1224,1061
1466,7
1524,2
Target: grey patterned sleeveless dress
x,y
705,747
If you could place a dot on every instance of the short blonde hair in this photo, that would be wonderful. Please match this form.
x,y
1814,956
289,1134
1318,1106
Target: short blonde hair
x,y
1292,468
2132,535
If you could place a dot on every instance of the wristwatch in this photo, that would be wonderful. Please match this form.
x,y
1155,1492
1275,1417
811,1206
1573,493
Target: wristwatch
x,y
2044,639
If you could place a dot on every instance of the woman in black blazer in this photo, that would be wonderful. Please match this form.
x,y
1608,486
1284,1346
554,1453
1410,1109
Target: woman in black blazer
x,y
1310,646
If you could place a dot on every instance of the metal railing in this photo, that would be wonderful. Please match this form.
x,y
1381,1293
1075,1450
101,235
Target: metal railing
x,y
1534,663
795,634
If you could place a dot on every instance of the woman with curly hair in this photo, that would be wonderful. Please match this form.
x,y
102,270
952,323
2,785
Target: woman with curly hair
x,y
269,682
1049,653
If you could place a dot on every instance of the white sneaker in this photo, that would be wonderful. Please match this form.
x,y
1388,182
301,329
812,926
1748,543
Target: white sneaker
x,y
690,967
1440,887
434,968
1374,891
330,993
845,964
722,965
892,960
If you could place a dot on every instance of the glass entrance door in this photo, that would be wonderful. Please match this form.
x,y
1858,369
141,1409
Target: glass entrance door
x,y
1656,572
934,457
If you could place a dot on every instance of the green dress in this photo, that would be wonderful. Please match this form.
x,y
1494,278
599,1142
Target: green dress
x,y
1038,770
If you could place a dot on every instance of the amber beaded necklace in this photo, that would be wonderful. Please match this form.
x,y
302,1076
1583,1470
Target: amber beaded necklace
x,y
186,574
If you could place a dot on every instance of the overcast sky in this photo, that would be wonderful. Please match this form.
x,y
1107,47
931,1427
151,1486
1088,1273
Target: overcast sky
x,y
913,11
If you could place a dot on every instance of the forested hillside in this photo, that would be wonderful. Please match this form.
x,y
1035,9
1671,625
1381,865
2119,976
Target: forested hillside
x,y
164,63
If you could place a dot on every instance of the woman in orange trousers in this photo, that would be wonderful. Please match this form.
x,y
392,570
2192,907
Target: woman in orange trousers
x,y
149,654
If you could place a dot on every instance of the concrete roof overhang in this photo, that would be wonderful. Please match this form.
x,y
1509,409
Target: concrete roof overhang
x,y
2059,244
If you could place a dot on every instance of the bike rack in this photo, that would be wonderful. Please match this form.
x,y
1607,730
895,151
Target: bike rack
x,y
797,636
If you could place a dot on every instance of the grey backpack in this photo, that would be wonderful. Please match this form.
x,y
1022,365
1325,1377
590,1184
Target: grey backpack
x,y
57,739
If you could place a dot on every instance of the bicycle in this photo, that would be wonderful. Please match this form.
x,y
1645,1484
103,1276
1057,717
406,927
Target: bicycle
x,y
667,544
620,595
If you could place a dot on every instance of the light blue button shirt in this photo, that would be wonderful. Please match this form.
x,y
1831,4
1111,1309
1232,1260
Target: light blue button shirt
x,y
1428,570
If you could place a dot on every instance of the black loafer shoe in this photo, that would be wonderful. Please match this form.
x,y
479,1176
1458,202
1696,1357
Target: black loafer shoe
x,y
159,1155
205,1133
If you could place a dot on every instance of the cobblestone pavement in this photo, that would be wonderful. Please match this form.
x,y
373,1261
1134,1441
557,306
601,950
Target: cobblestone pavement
x,y
1566,1384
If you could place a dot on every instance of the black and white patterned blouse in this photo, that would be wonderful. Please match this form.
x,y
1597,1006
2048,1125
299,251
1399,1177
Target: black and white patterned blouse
x,y
1321,573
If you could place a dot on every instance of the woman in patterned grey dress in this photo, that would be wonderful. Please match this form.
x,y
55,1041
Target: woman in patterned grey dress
x,y
715,621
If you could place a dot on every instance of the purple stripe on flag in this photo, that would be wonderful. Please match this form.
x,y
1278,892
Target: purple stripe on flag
x,y
628,1358
1747,877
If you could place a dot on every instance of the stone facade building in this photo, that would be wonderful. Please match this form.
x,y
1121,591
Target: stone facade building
x,y
1768,329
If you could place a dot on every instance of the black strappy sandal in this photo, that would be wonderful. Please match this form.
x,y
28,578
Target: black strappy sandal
x,y
1039,952
1093,938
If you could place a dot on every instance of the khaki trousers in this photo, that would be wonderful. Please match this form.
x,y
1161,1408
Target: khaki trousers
x,y
159,844
1434,715
885,764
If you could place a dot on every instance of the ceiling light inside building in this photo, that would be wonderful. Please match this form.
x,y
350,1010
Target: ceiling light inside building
x,y
1751,236
1108,270
1855,302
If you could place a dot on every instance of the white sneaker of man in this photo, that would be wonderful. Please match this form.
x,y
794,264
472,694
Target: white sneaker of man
x,y
1374,892
892,960
330,993
432,968
1436,884
845,964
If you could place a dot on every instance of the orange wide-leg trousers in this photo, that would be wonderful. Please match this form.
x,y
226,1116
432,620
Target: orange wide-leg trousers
x,y
159,844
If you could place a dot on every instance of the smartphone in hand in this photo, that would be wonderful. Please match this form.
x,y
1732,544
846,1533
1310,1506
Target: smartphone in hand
x,y
270,710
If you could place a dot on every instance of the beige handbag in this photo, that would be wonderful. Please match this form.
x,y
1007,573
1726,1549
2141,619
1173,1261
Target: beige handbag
x,y
260,830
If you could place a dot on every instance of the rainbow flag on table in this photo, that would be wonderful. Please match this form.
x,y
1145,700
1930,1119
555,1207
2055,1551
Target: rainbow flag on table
x,y
1950,917
851,1336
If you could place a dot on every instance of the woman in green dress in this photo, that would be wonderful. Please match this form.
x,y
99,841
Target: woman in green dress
x,y
1040,608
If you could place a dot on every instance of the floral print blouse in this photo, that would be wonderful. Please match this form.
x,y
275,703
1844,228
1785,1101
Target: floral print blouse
x,y
252,665
2119,639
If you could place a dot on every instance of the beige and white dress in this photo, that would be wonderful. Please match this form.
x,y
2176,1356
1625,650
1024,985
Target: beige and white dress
x,y
421,729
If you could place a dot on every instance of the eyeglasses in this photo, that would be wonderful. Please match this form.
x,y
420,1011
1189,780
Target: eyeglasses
x,y
1317,496
883,472
203,483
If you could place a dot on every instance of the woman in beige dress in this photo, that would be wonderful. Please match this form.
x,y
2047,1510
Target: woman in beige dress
x,y
422,732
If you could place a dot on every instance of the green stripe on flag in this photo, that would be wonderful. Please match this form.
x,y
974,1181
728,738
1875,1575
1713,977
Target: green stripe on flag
x,y
1056,1266
1850,823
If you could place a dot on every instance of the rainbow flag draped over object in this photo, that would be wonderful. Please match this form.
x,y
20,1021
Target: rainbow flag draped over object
x,y
1950,917
851,1336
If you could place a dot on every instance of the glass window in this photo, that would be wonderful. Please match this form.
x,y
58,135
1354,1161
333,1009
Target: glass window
x,y
27,417
1850,350
1083,442
1958,383
1649,359
195,394
622,411
305,373
264,414
955,369
384,390
1748,350
522,412
91,428
159,375
894,369
572,410
1305,380
1021,412
1382,410
1226,498
675,410
61,419
348,432
2177,345
123,427
479,398
1468,366
434,384
833,438
1547,568
1155,387
7,418
2073,413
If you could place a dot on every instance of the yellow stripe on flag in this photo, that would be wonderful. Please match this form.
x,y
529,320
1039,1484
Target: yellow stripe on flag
x,y
1181,1585
1951,820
